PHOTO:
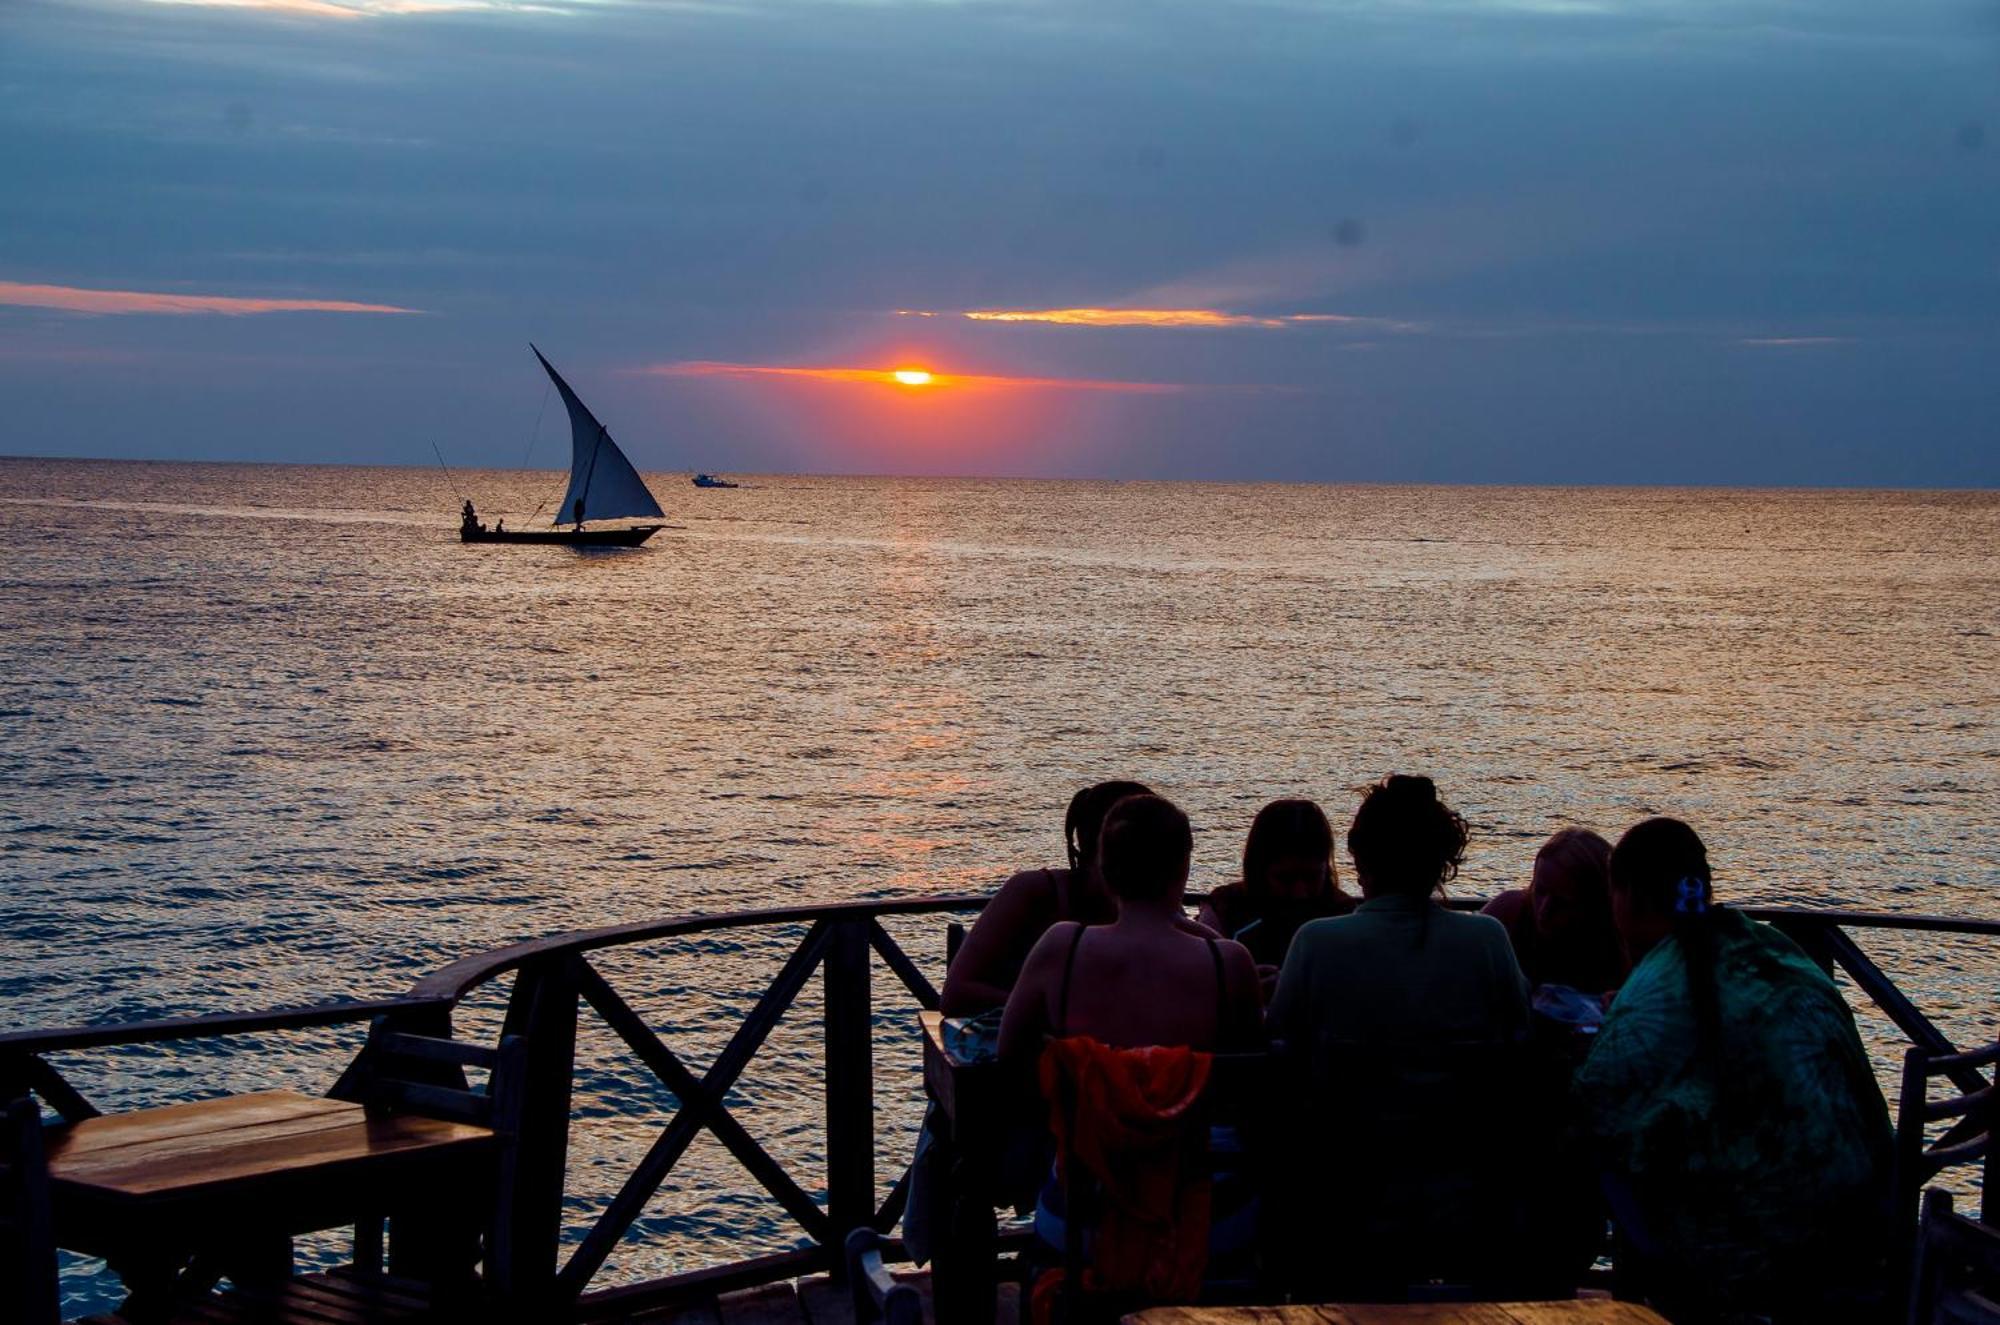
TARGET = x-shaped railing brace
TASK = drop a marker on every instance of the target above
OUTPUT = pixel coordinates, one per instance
(701, 1106)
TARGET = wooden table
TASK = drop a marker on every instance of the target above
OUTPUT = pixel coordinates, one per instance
(1581, 1311)
(236, 1177)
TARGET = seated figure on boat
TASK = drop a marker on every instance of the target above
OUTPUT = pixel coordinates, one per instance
(1288, 879)
(998, 943)
(1744, 1143)
(1405, 1022)
(1121, 1019)
(1560, 924)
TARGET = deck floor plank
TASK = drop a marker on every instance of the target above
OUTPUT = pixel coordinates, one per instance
(823, 1302)
(773, 1304)
(701, 1313)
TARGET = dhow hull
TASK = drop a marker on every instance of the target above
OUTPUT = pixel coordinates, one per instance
(632, 537)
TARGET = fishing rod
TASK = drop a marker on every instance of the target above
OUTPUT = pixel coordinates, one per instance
(448, 477)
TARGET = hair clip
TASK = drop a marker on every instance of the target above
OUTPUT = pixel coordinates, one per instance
(1690, 896)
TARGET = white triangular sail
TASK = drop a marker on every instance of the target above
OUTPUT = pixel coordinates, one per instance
(602, 483)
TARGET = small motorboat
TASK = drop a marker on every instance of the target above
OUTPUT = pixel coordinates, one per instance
(711, 481)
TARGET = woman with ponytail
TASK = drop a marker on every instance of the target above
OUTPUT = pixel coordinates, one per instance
(1743, 1140)
(988, 964)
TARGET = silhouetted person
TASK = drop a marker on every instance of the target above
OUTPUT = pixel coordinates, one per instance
(1405, 1021)
(1744, 1141)
(579, 512)
(1145, 978)
(1116, 1017)
(1288, 879)
(990, 959)
(1560, 924)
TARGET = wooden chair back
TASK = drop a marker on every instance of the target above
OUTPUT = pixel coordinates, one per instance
(1957, 1279)
(401, 1070)
(27, 1232)
(1408, 1157)
(1967, 1140)
(878, 1295)
(425, 1075)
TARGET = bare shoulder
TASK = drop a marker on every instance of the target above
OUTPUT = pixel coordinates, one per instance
(1236, 957)
(1053, 945)
(1507, 907)
(1029, 890)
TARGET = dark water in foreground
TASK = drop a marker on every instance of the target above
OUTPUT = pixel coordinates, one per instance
(272, 735)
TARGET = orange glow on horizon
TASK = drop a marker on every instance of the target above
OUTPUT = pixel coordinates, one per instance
(900, 377)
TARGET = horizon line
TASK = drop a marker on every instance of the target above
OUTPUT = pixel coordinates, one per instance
(1632, 485)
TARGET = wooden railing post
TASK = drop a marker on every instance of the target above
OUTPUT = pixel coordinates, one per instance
(1813, 937)
(527, 1233)
(850, 1085)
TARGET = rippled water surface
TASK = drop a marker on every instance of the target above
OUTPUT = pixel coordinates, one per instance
(272, 735)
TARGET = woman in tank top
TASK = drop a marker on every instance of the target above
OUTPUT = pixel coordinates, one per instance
(1029, 903)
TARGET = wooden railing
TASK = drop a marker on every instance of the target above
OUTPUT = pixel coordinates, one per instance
(555, 982)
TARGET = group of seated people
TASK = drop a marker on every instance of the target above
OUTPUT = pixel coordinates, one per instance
(1465, 1098)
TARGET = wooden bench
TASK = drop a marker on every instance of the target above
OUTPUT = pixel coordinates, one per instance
(150, 1191)
(178, 1197)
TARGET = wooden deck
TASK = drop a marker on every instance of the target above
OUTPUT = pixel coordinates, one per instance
(261, 1175)
(815, 1301)
(341, 1298)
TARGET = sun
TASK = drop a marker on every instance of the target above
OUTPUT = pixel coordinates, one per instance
(912, 376)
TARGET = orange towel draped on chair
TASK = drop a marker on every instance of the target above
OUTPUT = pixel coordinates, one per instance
(1135, 1130)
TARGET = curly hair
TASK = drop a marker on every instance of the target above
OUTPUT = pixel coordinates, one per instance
(1404, 839)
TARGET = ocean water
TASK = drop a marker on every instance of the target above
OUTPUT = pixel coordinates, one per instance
(273, 736)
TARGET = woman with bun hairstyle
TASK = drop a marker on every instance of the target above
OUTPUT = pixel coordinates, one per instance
(1402, 968)
(1743, 1141)
(1404, 1022)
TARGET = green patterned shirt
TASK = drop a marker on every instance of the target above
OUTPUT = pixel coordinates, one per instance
(1769, 1153)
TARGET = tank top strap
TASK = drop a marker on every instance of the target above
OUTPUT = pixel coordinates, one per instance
(1221, 989)
(1069, 970)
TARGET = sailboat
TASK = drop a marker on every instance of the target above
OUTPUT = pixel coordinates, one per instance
(602, 484)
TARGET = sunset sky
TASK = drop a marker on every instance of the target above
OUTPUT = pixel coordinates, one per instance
(1682, 241)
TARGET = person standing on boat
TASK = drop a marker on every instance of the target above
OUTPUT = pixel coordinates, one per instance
(1744, 1142)
(468, 519)
(579, 512)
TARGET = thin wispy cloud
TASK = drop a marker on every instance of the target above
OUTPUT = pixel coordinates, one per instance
(350, 9)
(1793, 342)
(905, 379)
(75, 299)
(1203, 318)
